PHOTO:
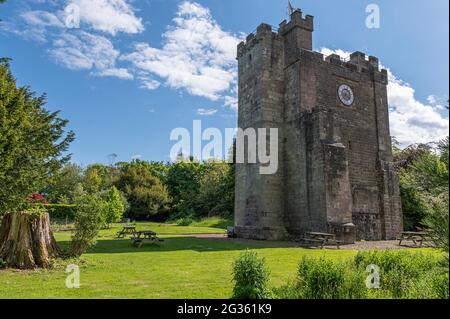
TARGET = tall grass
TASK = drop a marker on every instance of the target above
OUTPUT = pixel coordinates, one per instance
(402, 274)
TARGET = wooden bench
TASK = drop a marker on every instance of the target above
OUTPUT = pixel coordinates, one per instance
(312, 240)
(322, 239)
(142, 237)
(127, 230)
(415, 237)
(137, 241)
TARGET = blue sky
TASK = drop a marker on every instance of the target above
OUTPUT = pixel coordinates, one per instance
(135, 70)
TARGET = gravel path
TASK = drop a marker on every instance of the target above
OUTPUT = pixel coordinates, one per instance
(361, 245)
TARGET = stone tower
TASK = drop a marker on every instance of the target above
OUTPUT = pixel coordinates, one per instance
(335, 171)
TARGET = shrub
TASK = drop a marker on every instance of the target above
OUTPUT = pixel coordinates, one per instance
(185, 221)
(431, 285)
(251, 277)
(327, 279)
(398, 269)
(89, 218)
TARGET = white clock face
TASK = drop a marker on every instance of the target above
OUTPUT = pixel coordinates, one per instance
(346, 94)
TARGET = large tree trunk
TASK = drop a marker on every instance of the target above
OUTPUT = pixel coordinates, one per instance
(26, 241)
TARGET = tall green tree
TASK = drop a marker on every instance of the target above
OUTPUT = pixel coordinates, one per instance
(116, 207)
(183, 183)
(99, 177)
(63, 186)
(32, 141)
(216, 191)
(145, 192)
(428, 174)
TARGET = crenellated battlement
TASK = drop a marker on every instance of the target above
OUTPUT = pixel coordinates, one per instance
(297, 21)
(263, 31)
(357, 62)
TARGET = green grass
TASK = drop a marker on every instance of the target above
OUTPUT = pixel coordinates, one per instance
(215, 222)
(180, 267)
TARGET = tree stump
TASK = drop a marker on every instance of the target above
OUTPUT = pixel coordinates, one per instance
(26, 240)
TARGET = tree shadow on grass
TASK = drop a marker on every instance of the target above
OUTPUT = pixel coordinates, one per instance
(112, 246)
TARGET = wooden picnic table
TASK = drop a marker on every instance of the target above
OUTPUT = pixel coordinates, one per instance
(126, 230)
(415, 237)
(321, 239)
(145, 236)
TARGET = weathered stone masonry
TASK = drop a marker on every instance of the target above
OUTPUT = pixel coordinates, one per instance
(335, 169)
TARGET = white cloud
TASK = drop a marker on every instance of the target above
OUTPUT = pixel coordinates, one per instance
(148, 83)
(110, 16)
(206, 112)
(196, 55)
(42, 19)
(136, 157)
(411, 121)
(85, 51)
(120, 73)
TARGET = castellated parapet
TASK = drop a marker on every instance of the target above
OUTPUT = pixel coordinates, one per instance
(335, 171)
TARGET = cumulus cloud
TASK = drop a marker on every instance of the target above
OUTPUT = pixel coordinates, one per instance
(110, 16)
(76, 48)
(411, 121)
(206, 112)
(196, 55)
(85, 51)
(42, 19)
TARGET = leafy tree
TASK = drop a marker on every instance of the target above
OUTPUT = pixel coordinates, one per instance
(145, 192)
(411, 165)
(429, 175)
(64, 185)
(183, 183)
(116, 207)
(216, 193)
(99, 177)
(89, 218)
(32, 140)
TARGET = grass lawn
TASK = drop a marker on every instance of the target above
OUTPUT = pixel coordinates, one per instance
(180, 267)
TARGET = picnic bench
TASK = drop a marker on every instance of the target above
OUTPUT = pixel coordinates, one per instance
(415, 237)
(140, 237)
(127, 230)
(322, 239)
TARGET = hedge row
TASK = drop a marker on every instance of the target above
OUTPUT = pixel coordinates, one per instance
(61, 211)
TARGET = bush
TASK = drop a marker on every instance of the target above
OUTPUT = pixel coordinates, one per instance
(431, 285)
(61, 212)
(89, 218)
(251, 277)
(185, 221)
(399, 270)
(327, 279)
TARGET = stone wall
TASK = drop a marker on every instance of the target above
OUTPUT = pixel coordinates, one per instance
(335, 161)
